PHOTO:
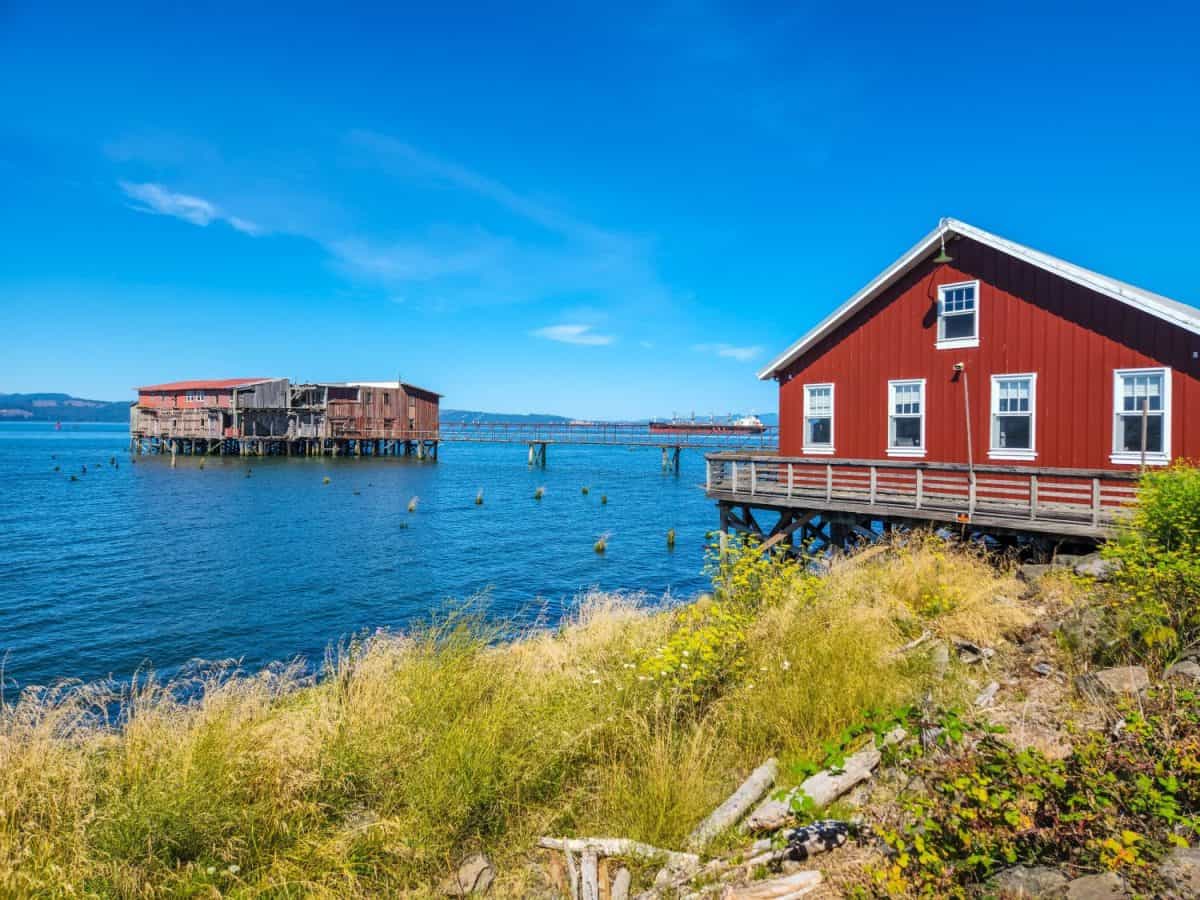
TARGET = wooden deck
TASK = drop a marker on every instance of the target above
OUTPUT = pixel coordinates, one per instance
(1009, 499)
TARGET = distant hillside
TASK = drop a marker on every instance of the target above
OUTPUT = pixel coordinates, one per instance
(471, 415)
(60, 408)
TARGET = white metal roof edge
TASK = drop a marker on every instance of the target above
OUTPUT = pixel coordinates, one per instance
(1164, 308)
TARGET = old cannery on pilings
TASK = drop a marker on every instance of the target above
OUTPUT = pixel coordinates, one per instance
(273, 416)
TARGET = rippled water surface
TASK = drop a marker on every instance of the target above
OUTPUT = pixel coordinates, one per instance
(141, 564)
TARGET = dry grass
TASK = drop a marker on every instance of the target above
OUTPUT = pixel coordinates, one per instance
(411, 752)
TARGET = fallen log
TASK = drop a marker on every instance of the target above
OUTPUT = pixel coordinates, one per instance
(739, 802)
(822, 788)
(589, 875)
(789, 887)
(620, 884)
(622, 847)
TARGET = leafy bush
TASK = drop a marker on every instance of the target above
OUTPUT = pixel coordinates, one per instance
(1155, 594)
(1115, 803)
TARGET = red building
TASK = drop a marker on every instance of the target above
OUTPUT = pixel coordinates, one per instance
(192, 394)
(998, 355)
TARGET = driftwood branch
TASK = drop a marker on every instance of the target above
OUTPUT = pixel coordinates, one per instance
(622, 847)
(572, 874)
(739, 802)
(788, 887)
(822, 788)
(589, 875)
(621, 883)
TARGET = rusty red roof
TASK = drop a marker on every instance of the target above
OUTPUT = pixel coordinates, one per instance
(213, 384)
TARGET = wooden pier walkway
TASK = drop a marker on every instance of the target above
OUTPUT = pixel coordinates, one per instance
(538, 435)
(848, 497)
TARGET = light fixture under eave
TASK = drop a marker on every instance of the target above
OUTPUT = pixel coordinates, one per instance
(943, 257)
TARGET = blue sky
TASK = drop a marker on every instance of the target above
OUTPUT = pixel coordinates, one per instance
(603, 211)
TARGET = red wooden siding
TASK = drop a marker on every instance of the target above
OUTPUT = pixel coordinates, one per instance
(179, 400)
(1029, 321)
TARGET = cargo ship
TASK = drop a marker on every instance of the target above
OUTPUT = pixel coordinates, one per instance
(744, 425)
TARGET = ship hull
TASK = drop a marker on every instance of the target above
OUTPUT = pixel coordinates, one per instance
(704, 428)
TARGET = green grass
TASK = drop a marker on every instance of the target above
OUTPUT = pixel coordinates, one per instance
(415, 750)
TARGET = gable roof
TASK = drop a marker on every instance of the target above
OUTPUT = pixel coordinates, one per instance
(1186, 317)
(201, 384)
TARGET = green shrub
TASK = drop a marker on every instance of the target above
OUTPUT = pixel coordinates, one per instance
(1115, 803)
(1155, 594)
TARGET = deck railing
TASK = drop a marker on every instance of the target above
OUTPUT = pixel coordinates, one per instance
(1083, 497)
(633, 434)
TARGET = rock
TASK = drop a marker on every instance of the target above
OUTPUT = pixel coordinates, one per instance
(1031, 572)
(970, 653)
(939, 657)
(1043, 668)
(1031, 883)
(1095, 566)
(1109, 886)
(987, 696)
(1187, 671)
(1069, 560)
(1180, 869)
(1107, 683)
(819, 837)
(1084, 630)
(474, 876)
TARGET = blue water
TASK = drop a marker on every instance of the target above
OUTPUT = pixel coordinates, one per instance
(142, 565)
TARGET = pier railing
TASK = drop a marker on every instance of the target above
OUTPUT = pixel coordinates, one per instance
(636, 434)
(1082, 501)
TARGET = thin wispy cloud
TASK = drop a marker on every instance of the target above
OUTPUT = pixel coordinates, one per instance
(729, 351)
(531, 251)
(155, 199)
(573, 334)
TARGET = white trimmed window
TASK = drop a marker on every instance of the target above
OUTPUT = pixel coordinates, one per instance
(958, 315)
(906, 418)
(1142, 416)
(1014, 407)
(818, 418)
(195, 396)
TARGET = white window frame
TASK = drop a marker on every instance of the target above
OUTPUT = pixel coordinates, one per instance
(826, 449)
(1134, 457)
(957, 343)
(923, 450)
(195, 396)
(1015, 453)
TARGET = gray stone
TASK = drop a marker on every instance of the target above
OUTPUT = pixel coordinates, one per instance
(1032, 883)
(474, 876)
(1031, 572)
(1187, 671)
(939, 656)
(988, 695)
(1109, 886)
(1180, 869)
(1107, 683)
(1096, 566)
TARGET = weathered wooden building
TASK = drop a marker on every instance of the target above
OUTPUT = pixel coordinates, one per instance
(261, 416)
(977, 380)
